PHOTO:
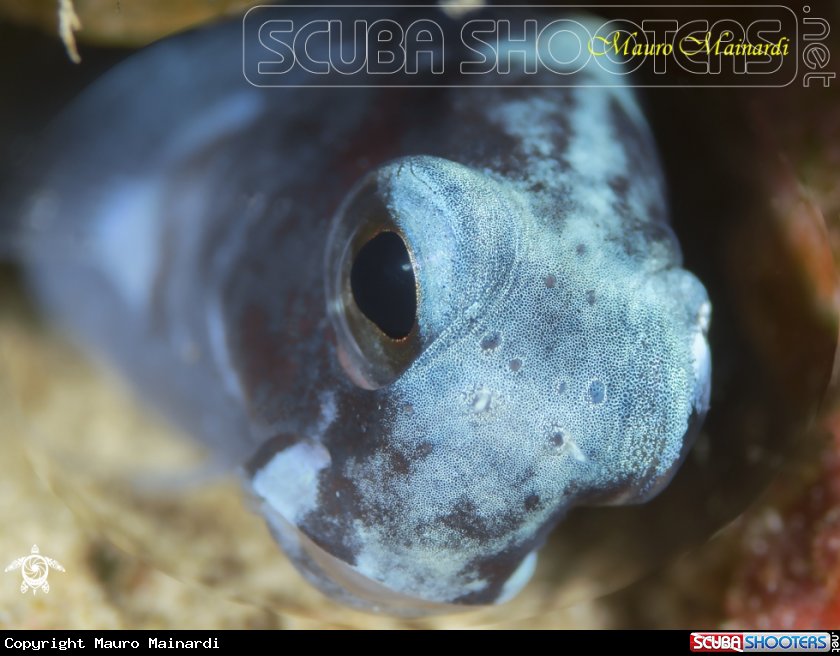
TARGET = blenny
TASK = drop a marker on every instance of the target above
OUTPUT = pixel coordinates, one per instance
(423, 323)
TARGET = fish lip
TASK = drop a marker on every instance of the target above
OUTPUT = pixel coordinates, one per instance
(334, 577)
(326, 572)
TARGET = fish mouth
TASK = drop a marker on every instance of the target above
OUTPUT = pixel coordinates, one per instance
(342, 582)
(339, 580)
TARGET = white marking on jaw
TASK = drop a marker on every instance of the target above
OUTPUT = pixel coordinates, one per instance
(519, 579)
(289, 482)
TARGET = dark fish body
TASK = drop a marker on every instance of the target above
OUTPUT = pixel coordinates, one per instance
(199, 233)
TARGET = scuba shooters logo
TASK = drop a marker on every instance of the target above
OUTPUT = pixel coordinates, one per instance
(696, 45)
(750, 641)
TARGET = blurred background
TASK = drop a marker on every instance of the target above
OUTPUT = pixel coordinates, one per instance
(771, 156)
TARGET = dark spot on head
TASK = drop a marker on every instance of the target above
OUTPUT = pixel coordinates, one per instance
(654, 232)
(399, 464)
(619, 185)
(558, 437)
(491, 341)
(560, 136)
(532, 501)
(580, 249)
(597, 391)
(466, 521)
(515, 364)
(657, 212)
(424, 449)
(550, 281)
(539, 186)
(590, 297)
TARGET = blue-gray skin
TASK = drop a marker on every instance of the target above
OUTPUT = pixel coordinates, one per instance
(177, 221)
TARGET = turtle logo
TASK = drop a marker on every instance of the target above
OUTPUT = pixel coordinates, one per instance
(35, 570)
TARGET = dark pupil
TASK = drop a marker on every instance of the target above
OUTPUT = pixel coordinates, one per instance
(383, 284)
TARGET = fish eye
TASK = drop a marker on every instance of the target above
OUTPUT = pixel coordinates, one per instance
(373, 295)
(383, 284)
(402, 263)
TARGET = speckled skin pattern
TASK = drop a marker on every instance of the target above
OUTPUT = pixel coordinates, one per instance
(178, 221)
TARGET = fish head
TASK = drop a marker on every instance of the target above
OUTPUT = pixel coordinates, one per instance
(507, 359)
